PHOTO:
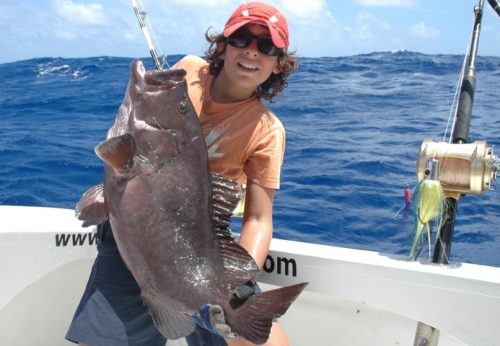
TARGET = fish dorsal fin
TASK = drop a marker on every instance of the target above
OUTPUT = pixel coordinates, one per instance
(92, 208)
(117, 151)
(240, 266)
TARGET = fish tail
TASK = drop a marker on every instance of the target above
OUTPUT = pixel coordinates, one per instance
(253, 320)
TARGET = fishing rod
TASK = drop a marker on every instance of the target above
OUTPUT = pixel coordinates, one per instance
(462, 168)
(488, 162)
(460, 134)
(458, 167)
(159, 60)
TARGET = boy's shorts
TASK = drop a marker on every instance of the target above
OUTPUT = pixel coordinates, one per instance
(111, 311)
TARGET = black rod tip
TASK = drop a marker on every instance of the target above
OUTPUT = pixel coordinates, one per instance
(495, 4)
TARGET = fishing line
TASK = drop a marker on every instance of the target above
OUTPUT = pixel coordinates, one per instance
(452, 118)
(151, 40)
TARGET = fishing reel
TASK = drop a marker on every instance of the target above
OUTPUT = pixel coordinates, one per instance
(463, 168)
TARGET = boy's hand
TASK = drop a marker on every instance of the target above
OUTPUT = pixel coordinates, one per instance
(245, 291)
(211, 317)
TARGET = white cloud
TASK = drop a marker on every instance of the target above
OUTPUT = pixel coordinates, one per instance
(313, 28)
(368, 27)
(395, 3)
(203, 3)
(64, 35)
(80, 13)
(363, 33)
(423, 31)
(130, 35)
(151, 4)
(300, 8)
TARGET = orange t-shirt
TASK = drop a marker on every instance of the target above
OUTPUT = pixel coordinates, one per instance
(245, 140)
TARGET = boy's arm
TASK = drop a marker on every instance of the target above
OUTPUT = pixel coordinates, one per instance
(257, 228)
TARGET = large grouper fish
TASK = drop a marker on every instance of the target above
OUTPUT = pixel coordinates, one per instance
(170, 215)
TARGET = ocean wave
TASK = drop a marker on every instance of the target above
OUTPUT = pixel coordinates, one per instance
(354, 128)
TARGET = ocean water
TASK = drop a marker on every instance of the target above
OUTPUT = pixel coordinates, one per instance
(354, 129)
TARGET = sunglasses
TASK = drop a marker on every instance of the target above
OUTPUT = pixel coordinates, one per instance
(265, 45)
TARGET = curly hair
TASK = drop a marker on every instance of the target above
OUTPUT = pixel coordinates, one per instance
(274, 85)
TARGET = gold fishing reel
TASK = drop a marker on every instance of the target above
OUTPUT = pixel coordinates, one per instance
(463, 168)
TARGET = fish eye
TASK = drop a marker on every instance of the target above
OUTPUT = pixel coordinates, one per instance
(182, 107)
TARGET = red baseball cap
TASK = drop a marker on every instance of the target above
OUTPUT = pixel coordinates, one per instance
(258, 12)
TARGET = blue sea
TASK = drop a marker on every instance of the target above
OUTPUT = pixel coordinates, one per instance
(354, 129)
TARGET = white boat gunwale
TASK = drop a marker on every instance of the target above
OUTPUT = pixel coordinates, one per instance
(462, 301)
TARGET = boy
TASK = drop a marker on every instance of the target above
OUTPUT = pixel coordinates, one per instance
(245, 142)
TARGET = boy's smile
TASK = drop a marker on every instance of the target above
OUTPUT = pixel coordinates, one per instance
(248, 66)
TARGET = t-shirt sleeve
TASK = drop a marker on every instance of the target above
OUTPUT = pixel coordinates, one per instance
(190, 63)
(264, 164)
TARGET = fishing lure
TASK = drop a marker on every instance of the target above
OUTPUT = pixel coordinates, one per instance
(429, 202)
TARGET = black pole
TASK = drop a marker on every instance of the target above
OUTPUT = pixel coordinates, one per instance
(460, 136)
(495, 4)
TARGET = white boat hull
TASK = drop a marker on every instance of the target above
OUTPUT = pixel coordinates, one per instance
(354, 297)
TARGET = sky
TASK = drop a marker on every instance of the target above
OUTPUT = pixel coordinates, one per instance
(89, 28)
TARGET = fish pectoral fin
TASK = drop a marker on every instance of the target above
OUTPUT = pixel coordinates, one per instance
(92, 208)
(171, 323)
(117, 152)
(253, 319)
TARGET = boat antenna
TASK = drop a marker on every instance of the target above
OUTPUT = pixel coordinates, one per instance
(159, 60)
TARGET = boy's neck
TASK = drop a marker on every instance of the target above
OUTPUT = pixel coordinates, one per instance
(223, 91)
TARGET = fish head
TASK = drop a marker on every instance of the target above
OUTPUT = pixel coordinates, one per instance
(154, 90)
(161, 117)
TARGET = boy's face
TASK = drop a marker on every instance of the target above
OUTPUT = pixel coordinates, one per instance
(248, 67)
